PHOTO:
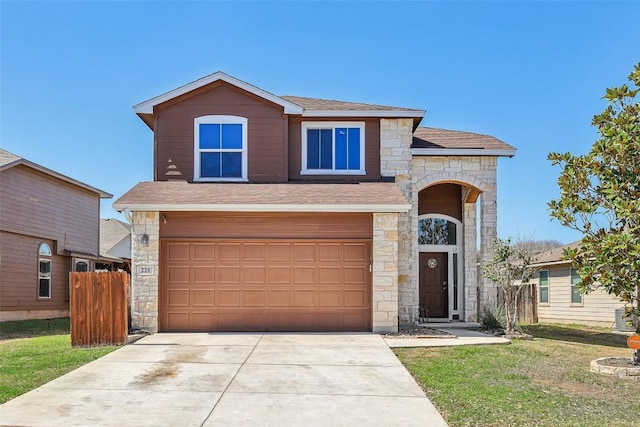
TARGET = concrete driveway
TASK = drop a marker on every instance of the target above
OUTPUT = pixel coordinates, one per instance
(201, 379)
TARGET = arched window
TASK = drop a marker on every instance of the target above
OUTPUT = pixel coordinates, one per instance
(44, 271)
(436, 231)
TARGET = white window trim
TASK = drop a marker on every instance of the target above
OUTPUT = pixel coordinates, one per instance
(548, 288)
(571, 285)
(332, 125)
(217, 119)
(46, 258)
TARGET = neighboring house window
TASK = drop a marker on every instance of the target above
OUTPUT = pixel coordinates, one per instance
(543, 286)
(81, 265)
(44, 271)
(220, 148)
(333, 148)
(576, 295)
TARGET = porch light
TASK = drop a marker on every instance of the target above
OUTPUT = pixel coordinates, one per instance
(144, 240)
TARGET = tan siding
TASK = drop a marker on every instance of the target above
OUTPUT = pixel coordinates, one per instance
(262, 225)
(372, 149)
(36, 204)
(174, 144)
(598, 307)
(19, 275)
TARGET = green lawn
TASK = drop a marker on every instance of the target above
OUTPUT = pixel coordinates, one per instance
(33, 353)
(544, 382)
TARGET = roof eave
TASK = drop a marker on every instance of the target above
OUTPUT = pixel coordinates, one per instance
(146, 107)
(202, 207)
(463, 152)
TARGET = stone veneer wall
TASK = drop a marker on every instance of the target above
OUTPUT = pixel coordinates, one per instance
(385, 272)
(144, 284)
(396, 136)
(479, 172)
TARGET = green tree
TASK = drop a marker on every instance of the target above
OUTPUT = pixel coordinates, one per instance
(600, 197)
(510, 268)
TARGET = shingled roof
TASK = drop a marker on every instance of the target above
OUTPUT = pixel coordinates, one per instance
(554, 256)
(184, 196)
(434, 138)
(329, 104)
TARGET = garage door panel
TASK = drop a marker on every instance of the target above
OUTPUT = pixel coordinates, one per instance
(356, 252)
(279, 298)
(254, 252)
(330, 298)
(355, 275)
(254, 275)
(229, 298)
(279, 274)
(178, 297)
(355, 298)
(203, 298)
(304, 252)
(329, 252)
(304, 275)
(265, 285)
(178, 274)
(179, 251)
(204, 252)
(330, 275)
(254, 298)
(204, 275)
(304, 298)
(229, 274)
(229, 252)
(279, 252)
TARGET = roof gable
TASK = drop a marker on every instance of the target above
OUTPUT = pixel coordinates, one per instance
(9, 160)
(146, 107)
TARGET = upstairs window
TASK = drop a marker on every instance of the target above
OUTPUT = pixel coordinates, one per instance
(576, 295)
(543, 286)
(44, 271)
(220, 148)
(333, 148)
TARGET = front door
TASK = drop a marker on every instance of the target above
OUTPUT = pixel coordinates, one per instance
(434, 288)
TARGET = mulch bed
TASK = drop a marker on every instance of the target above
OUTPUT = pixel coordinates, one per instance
(420, 332)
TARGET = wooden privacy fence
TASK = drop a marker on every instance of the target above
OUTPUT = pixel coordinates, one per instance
(99, 308)
(527, 303)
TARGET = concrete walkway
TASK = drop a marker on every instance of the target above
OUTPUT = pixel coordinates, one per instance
(233, 380)
(457, 337)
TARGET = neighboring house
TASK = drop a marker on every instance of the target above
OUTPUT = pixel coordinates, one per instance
(560, 300)
(299, 214)
(115, 246)
(48, 227)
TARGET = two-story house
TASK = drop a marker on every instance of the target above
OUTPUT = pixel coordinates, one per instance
(48, 227)
(283, 213)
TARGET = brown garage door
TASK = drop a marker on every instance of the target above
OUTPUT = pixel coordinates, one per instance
(265, 285)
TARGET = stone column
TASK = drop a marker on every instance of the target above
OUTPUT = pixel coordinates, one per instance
(488, 231)
(385, 272)
(470, 260)
(144, 271)
(396, 136)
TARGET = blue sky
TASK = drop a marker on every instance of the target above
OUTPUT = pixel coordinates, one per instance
(529, 73)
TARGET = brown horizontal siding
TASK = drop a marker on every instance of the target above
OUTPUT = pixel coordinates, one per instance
(174, 143)
(36, 204)
(19, 275)
(372, 149)
(443, 199)
(264, 225)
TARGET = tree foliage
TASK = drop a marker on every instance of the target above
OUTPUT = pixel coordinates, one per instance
(600, 197)
(510, 268)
